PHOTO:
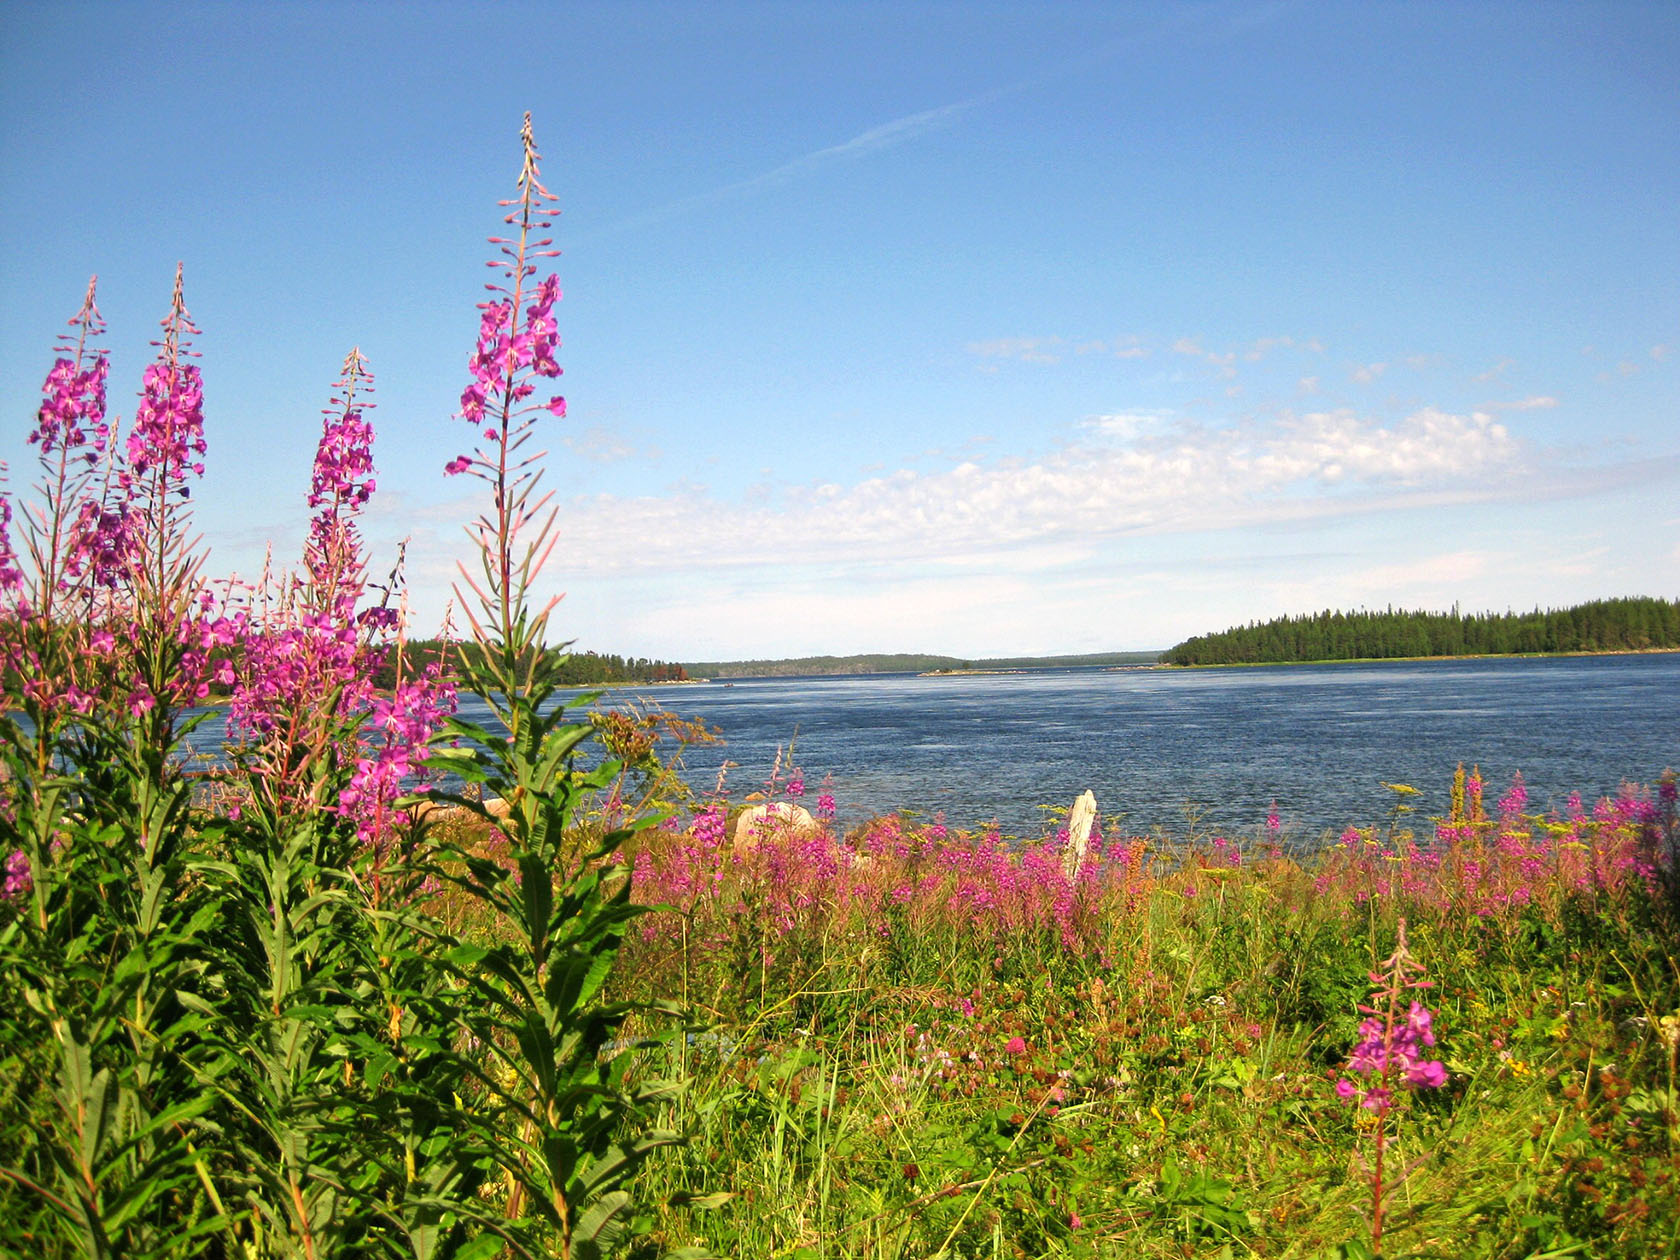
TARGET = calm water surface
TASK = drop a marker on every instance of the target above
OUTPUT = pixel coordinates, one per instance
(1159, 747)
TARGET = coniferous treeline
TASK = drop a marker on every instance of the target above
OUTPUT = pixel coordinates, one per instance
(581, 669)
(1605, 625)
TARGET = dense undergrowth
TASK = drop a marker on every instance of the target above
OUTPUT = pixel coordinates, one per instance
(920, 1042)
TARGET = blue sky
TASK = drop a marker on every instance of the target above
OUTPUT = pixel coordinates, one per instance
(972, 328)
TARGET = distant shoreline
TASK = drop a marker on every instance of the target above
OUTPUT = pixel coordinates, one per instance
(1464, 656)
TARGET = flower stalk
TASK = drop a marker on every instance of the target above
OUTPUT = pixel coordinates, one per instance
(1390, 1056)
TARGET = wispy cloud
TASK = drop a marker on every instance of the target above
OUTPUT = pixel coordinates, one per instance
(1264, 346)
(876, 139)
(1124, 425)
(1127, 474)
(1537, 403)
(1026, 349)
(602, 446)
(1223, 362)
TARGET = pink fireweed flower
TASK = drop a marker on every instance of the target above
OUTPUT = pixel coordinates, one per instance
(74, 406)
(11, 575)
(1390, 1049)
(407, 719)
(72, 435)
(341, 484)
(72, 411)
(517, 335)
(711, 826)
(343, 470)
(1512, 803)
(796, 785)
(1015, 1045)
(168, 431)
(825, 804)
(1273, 824)
(19, 878)
(101, 538)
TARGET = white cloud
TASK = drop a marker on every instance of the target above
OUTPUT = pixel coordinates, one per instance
(1050, 349)
(1493, 373)
(1536, 403)
(1365, 373)
(602, 446)
(1223, 363)
(1124, 425)
(1264, 346)
(1581, 564)
(1450, 569)
(1661, 352)
(1026, 349)
(1131, 473)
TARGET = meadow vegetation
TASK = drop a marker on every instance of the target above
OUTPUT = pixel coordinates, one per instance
(390, 983)
(916, 1041)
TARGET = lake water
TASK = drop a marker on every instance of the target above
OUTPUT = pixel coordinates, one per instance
(1160, 746)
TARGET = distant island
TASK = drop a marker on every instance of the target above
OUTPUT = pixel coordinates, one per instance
(908, 663)
(592, 668)
(1605, 625)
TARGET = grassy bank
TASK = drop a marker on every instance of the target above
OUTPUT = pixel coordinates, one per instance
(912, 1042)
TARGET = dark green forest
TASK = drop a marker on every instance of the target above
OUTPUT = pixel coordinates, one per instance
(582, 669)
(1605, 625)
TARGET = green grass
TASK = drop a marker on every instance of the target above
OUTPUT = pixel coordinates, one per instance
(853, 1094)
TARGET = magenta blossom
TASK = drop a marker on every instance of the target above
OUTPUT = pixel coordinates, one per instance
(19, 879)
(11, 575)
(72, 412)
(1390, 1051)
(518, 337)
(168, 434)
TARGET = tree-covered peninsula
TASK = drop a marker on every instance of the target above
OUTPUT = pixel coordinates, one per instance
(1605, 625)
